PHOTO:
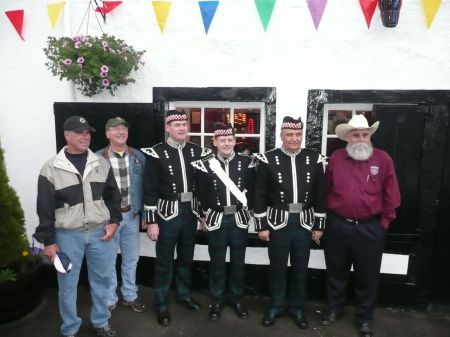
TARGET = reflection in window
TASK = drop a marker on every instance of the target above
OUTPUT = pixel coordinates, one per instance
(247, 119)
(335, 114)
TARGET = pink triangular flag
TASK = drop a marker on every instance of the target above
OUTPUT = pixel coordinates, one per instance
(316, 8)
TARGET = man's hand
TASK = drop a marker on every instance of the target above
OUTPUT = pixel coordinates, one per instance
(203, 224)
(50, 251)
(143, 224)
(264, 235)
(316, 236)
(153, 231)
(110, 229)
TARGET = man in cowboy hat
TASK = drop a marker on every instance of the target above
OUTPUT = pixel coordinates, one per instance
(363, 194)
(171, 219)
(226, 203)
(289, 208)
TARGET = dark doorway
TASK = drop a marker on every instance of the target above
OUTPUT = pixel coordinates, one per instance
(146, 121)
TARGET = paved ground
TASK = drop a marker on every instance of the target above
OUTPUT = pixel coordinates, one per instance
(390, 322)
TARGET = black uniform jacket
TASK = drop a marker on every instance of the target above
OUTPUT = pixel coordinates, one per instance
(284, 178)
(214, 195)
(169, 179)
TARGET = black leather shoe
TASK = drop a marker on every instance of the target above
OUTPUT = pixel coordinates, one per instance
(301, 321)
(268, 319)
(190, 304)
(214, 312)
(240, 310)
(163, 317)
(329, 318)
(366, 329)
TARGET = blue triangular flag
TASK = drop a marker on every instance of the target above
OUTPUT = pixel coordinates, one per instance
(208, 9)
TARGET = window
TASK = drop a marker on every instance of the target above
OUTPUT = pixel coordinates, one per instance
(246, 117)
(335, 114)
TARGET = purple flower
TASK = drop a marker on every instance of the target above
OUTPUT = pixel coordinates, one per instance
(77, 44)
(105, 44)
(105, 82)
(104, 68)
(67, 62)
(76, 38)
(80, 60)
(84, 39)
(35, 250)
(104, 74)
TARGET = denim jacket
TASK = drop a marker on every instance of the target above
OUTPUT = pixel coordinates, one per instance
(136, 167)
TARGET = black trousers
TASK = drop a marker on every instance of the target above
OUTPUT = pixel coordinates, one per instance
(228, 235)
(180, 233)
(294, 241)
(360, 245)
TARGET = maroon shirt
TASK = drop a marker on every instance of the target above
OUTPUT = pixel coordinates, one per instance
(360, 190)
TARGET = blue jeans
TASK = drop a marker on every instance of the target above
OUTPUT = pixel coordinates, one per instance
(99, 258)
(127, 239)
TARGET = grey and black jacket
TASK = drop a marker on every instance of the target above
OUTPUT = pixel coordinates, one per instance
(68, 200)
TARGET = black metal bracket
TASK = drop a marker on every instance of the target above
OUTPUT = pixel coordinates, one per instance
(102, 14)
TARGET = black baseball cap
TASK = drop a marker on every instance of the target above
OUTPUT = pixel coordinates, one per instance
(77, 124)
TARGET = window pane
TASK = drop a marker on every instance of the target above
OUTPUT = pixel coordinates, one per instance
(333, 144)
(336, 117)
(214, 115)
(194, 118)
(247, 120)
(195, 140)
(208, 142)
(367, 114)
(247, 145)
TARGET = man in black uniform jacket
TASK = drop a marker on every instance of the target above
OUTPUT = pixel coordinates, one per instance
(225, 204)
(171, 212)
(289, 205)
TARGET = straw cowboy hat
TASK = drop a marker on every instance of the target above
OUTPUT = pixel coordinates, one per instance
(357, 122)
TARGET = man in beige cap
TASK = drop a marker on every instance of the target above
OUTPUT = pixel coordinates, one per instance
(128, 167)
(363, 194)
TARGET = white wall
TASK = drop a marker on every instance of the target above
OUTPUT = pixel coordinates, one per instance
(291, 56)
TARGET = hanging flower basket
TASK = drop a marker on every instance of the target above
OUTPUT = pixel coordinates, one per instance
(94, 63)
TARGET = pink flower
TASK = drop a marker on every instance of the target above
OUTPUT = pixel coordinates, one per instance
(104, 74)
(67, 62)
(80, 60)
(84, 39)
(105, 82)
(105, 44)
(76, 38)
(104, 68)
(77, 44)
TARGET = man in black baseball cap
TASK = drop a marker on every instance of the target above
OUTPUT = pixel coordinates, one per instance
(77, 124)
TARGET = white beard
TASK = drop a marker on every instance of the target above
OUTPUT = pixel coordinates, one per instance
(359, 151)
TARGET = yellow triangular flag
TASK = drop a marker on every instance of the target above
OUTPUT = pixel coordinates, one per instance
(162, 9)
(54, 11)
(431, 7)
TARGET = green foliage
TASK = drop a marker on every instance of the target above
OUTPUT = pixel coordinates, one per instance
(93, 63)
(14, 250)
